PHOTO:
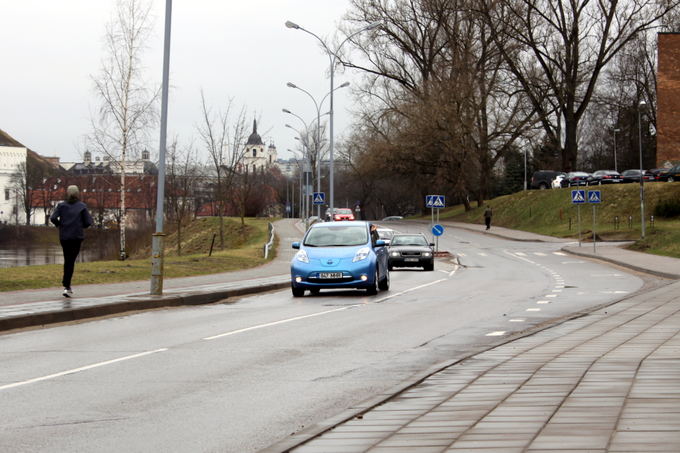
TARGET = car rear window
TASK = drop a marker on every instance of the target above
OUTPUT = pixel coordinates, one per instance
(334, 236)
(408, 240)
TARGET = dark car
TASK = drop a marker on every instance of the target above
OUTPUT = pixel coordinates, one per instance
(576, 178)
(605, 177)
(633, 175)
(670, 174)
(542, 179)
(410, 250)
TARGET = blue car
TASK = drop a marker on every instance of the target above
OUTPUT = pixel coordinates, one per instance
(339, 255)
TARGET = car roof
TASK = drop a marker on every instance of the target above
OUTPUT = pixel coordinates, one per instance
(343, 223)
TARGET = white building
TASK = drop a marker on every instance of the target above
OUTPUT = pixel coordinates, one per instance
(12, 155)
(258, 156)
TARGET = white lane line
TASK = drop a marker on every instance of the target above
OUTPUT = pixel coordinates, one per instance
(482, 254)
(78, 370)
(442, 270)
(517, 320)
(533, 309)
(550, 295)
(559, 253)
(557, 290)
(543, 302)
(540, 254)
(520, 254)
(498, 333)
(462, 254)
(297, 318)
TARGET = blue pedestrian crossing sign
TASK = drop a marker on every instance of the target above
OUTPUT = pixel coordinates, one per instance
(435, 201)
(594, 196)
(319, 198)
(437, 230)
(578, 196)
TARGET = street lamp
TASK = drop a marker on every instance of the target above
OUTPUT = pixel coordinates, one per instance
(317, 147)
(616, 168)
(306, 170)
(332, 59)
(642, 172)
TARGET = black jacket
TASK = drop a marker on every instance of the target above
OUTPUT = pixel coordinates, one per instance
(72, 219)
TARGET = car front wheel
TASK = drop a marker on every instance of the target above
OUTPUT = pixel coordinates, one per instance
(298, 292)
(384, 284)
(373, 289)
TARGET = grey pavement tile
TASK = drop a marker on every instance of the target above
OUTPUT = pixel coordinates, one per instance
(509, 427)
(634, 441)
(572, 440)
(593, 402)
(589, 450)
(409, 449)
(451, 430)
(472, 445)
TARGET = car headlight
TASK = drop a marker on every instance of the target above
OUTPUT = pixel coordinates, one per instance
(427, 254)
(361, 254)
(394, 253)
(302, 256)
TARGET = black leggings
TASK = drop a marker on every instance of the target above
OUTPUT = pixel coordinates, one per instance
(71, 248)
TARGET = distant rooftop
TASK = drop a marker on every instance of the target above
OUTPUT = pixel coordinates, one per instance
(8, 140)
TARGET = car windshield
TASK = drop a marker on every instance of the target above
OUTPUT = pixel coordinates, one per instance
(336, 236)
(408, 240)
(343, 211)
(385, 233)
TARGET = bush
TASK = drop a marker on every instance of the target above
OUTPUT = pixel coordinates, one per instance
(667, 208)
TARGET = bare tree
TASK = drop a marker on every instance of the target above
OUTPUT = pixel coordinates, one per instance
(558, 50)
(182, 178)
(127, 106)
(224, 139)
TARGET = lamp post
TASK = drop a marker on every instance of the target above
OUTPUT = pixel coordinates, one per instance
(157, 239)
(332, 59)
(306, 170)
(616, 167)
(642, 171)
(317, 147)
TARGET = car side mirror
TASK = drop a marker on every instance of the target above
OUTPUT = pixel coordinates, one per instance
(295, 245)
(431, 244)
(379, 243)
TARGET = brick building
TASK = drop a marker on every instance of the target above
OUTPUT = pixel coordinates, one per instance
(668, 100)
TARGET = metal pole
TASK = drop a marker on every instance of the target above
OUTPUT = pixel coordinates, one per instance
(525, 168)
(157, 239)
(578, 213)
(331, 189)
(642, 176)
(594, 234)
(616, 168)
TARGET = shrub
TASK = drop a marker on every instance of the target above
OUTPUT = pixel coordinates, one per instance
(667, 208)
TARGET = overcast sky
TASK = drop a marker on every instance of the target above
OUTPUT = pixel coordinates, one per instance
(240, 49)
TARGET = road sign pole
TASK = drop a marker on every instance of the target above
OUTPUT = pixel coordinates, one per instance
(436, 247)
(578, 214)
(432, 222)
(594, 235)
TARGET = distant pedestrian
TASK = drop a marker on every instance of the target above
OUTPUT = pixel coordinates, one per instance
(72, 217)
(487, 217)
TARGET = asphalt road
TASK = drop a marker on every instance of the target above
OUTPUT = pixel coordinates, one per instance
(238, 377)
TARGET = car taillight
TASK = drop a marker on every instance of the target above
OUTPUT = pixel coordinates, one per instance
(336, 217)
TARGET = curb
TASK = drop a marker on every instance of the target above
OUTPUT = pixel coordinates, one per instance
(130, 305)
(623, 264)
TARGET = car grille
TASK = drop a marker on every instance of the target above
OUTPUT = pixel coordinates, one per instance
(410, 253)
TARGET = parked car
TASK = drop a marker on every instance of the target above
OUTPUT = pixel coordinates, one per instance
(575, 178)
(542, 179)
(385, 234)
(670, 174)
(633, 175)
(339, 255)
(605, 177)
(411, 250)
(392, 218)
(557, 182)
(340, 214)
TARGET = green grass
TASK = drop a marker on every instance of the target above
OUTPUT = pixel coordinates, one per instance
(243, 250)
(550, 212)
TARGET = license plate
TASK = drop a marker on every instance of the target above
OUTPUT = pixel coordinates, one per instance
(330, 274)
(410, 260)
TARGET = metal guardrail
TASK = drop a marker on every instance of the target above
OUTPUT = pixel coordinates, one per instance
(269, 244)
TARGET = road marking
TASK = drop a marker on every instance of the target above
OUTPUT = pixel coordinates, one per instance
(297, 318)
(498, 333)
(550, 295)
(482, 254)
(462, 254)
(540, 254)
(520, 254)
(543, 302)
(614, 292)
(442, 270)
(533, 309)
(557, 290)
(559, 253)
(516, 320)
(78, 370)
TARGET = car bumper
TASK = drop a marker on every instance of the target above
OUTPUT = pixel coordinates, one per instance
(304, 275)
(410, 262)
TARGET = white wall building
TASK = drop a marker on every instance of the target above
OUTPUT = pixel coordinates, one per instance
(257, 156)
(12, 155)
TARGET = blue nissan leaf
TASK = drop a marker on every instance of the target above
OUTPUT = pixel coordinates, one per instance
(339, 255)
